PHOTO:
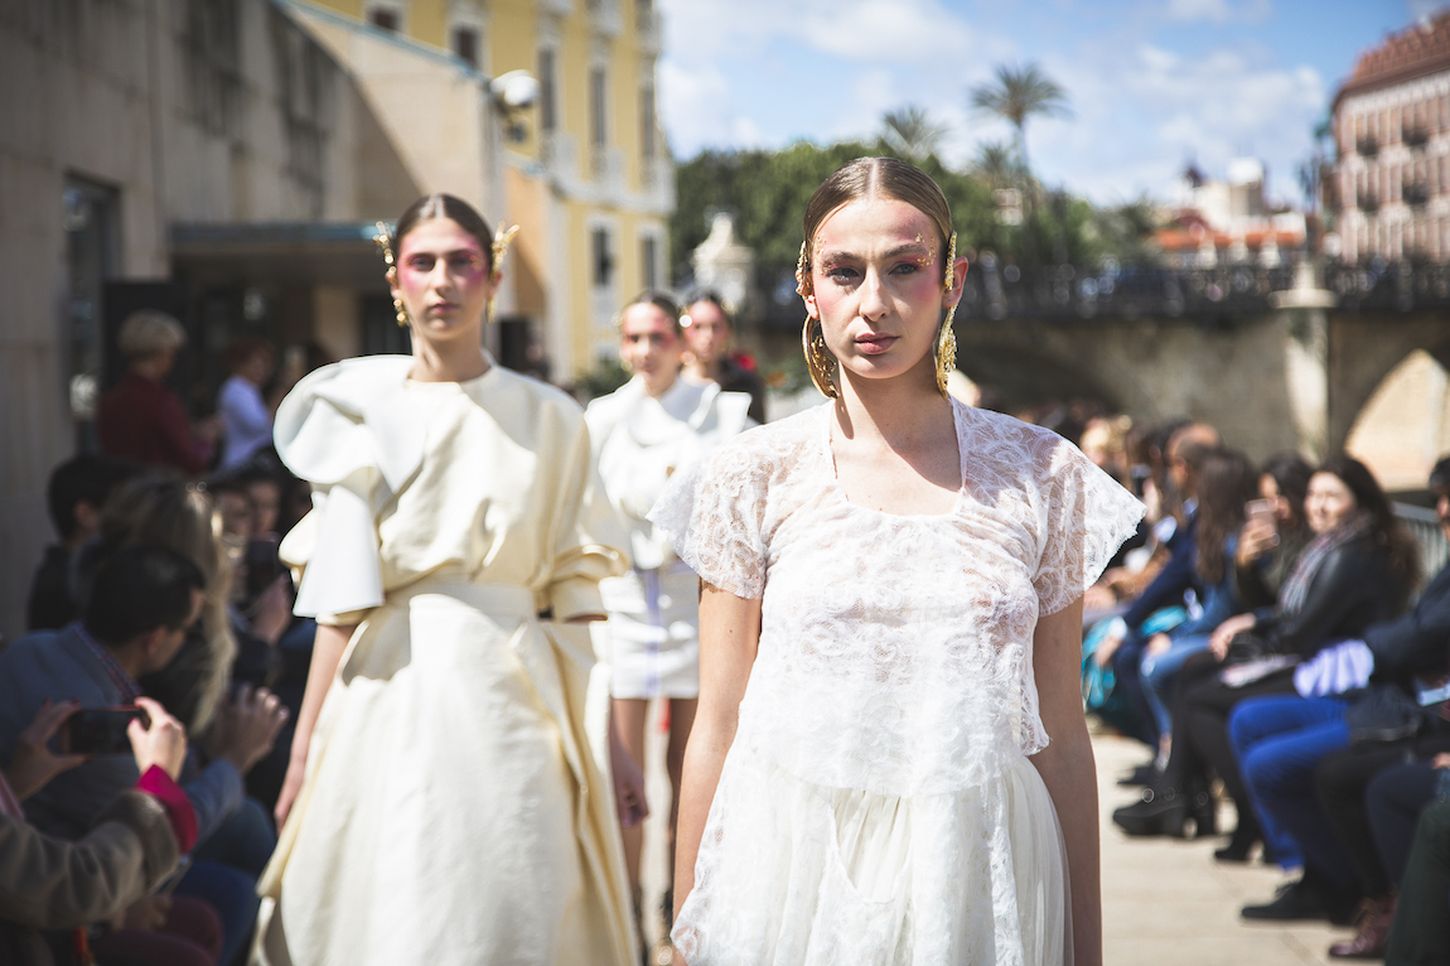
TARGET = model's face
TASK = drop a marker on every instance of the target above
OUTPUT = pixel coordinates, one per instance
(876, 277)
(650, 346)
(1329, 502)
(443, 280)
(708, 334)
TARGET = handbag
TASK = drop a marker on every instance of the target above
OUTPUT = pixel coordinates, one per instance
(1384, 713)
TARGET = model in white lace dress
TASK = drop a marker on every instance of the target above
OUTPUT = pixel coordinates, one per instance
(889, 644)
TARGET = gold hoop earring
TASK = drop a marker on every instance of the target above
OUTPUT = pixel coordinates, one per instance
(946, 343)
(819, 361)
(502, 238)
(384, 241)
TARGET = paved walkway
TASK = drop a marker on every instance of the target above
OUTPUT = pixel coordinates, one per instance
(1166, 902)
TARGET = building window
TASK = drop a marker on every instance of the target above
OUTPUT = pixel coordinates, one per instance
(598, 96)
(385, 16)
(649, 256)
(548, 106)
(465, 45)
(601, 257)
(647, 124)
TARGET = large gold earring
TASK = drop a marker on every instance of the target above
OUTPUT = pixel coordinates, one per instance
(501, 241)
(946, 343)
(385, 245)
(819, 361)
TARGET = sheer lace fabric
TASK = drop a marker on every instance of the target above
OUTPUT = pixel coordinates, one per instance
(894, 669)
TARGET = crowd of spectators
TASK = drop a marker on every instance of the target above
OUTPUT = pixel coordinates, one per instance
(138, 837)
(1271, 641)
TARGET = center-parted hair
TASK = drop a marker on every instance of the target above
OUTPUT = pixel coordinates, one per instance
(879, 178)
(659, 300)
(440, 205)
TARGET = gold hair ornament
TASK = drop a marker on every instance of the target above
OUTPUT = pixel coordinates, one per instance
(946, 343)
(501, 241)
(384, 240)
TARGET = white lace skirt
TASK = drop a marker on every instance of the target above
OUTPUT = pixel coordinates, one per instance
(654, 635)
(795, 873)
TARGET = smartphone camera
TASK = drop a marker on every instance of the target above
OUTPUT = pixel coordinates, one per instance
(101, 731)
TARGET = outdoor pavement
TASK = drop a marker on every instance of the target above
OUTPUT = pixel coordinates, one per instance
(1166, 902)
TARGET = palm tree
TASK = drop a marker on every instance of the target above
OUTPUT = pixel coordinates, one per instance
(996, 164)
(911, 132)
(1017, 94)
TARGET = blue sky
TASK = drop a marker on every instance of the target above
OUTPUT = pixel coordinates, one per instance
(1152, 83)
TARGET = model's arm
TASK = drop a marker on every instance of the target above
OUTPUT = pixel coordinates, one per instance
(1067, 769)
(327, 650)
(729, 634)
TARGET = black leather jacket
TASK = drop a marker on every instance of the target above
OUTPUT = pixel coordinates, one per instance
(1353, 588)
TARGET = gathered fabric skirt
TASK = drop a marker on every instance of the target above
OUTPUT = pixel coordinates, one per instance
(790, 872)
(451, 811)
(654, 632)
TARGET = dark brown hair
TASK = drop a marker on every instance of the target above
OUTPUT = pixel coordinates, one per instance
(1226, 481)
(440, 205)
(1385, 528)
(659, 300)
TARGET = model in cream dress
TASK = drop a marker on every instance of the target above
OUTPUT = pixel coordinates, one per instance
(455, 807)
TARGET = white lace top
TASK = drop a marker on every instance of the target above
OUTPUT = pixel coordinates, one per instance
(895, 652)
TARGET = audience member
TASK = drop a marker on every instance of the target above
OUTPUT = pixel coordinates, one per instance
(139, 418)
(75, 494)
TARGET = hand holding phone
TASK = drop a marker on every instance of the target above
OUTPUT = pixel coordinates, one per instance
(101, 731)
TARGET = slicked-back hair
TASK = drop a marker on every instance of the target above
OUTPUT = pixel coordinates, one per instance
(440, 205)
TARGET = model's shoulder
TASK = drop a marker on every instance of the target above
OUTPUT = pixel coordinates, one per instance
(995, 436)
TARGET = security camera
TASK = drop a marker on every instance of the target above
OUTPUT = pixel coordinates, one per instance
(515, 89)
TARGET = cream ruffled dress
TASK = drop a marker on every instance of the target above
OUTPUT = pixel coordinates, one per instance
(456, 808)
(877, 805)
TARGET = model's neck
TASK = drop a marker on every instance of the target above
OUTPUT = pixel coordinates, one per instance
(704, 371)
(898, 412)
(448, 363)
(657, 390)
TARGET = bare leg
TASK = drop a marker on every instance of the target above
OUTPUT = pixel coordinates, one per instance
(629, 724)
(682, 718)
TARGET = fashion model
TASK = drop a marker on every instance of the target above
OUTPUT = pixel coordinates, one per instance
(444, 803)
(889, 762)
(652, 427)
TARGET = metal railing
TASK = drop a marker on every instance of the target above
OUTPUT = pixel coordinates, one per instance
(1424, 525)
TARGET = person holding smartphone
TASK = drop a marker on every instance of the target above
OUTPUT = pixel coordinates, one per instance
(47, 883)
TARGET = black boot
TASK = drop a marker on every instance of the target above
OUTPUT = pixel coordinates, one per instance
(1164, 810)
(1239, 845)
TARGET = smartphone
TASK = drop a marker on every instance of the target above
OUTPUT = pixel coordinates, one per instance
(1261, 511)
(100, 731)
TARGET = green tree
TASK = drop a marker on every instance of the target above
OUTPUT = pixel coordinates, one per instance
(1016, 95)
(912, 133)
(996, 164)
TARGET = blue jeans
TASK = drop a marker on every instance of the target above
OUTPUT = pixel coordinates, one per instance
(233, 894)
(1279, 740)
(1159, 670)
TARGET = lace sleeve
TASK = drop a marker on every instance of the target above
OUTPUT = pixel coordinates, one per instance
(1085, 515)
(712, 515)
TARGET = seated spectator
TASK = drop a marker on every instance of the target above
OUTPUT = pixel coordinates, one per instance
(1357, 570)
(1175, 586)
(49, 884)
(1420, 935)
(139, 418)
(1307, 779)
(1270, 543)
(74, 496)
(1226, 482)
(141, 604)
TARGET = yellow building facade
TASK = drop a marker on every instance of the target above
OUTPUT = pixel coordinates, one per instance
(587, 174)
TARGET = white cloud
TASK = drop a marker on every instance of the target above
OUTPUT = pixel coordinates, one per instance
(1219, 11)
